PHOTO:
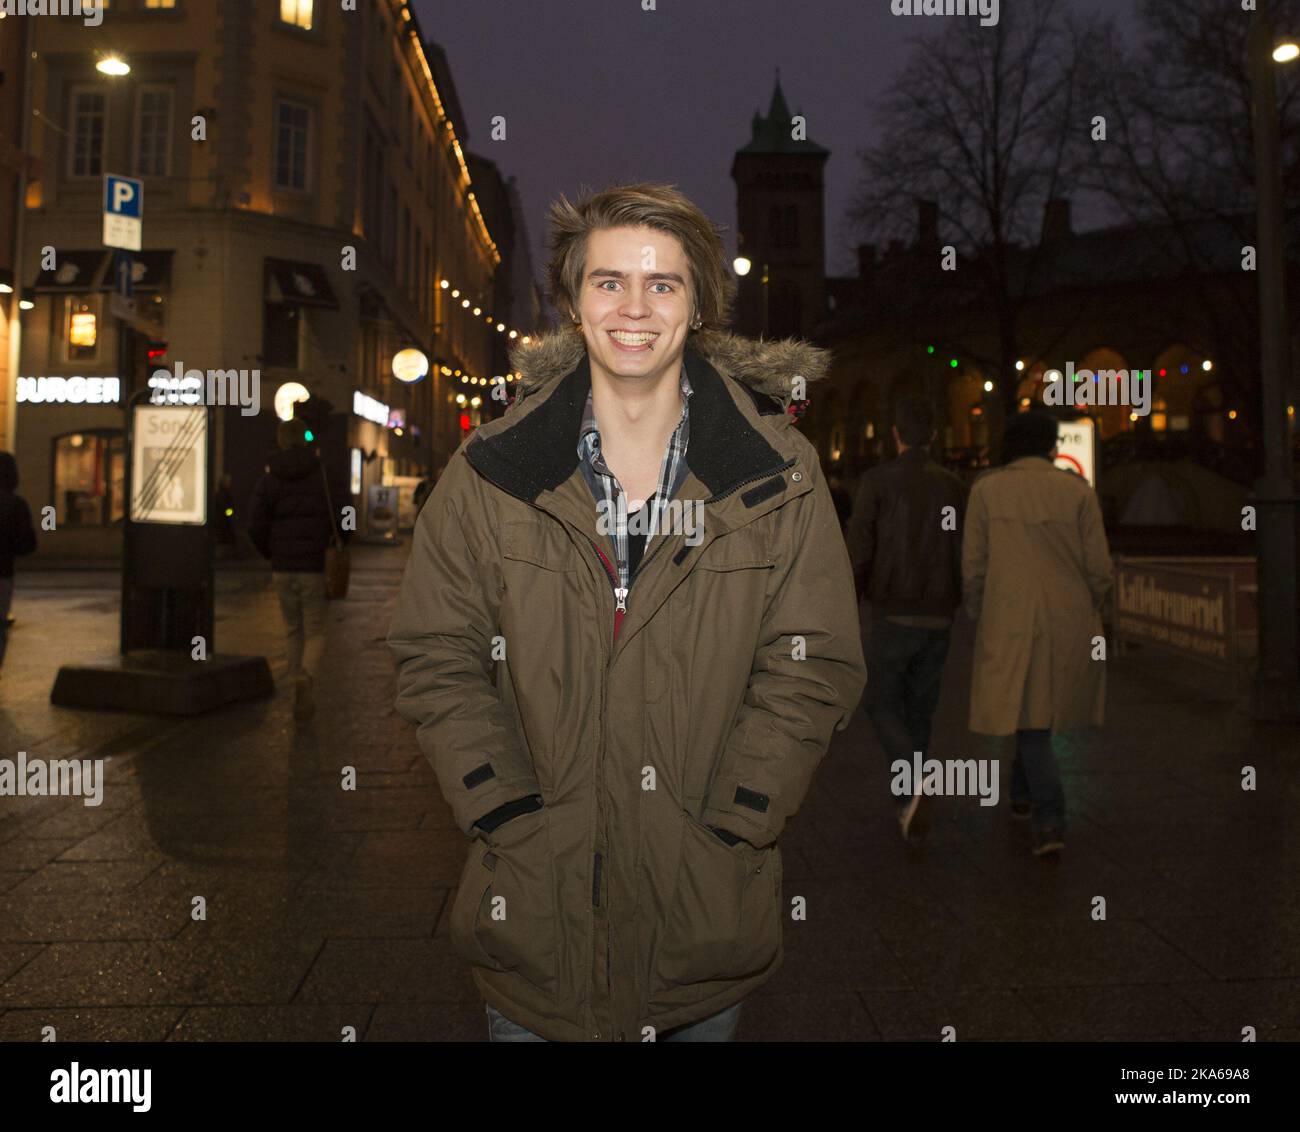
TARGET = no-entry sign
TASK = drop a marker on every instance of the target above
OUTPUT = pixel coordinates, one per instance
(1076, 448)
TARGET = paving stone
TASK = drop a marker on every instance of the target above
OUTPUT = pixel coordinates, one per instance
(90, 1024)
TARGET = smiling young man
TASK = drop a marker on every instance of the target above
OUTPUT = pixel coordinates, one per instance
(626, 632)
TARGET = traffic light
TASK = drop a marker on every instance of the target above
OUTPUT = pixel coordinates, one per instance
(155, 352)
(315, 414)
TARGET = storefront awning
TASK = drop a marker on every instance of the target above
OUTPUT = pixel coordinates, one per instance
(80, 270)
(304, 284)
(152, 270)
(93, 270)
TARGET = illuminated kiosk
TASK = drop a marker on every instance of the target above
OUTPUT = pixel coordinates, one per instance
(167, 664)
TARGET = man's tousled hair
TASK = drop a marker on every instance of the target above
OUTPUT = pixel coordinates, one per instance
(660, 207)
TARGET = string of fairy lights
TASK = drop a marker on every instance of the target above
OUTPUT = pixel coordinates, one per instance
(476, 311)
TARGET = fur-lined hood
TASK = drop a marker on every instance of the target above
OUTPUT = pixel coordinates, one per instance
(766, 366)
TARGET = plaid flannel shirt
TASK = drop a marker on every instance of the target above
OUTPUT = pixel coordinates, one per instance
(606, 489)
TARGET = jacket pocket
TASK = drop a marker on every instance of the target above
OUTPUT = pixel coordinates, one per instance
(723, 923)
(504, 918)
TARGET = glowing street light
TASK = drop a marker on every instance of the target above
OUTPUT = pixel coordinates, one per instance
(113, 65)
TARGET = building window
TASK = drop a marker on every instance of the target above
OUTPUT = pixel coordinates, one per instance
(297, 13)
(81, 328)
(153, 132)
(293, 132)
(89, 479)
(281, 335)
(89, 110)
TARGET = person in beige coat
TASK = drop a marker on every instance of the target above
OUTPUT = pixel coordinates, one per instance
(1036, 569)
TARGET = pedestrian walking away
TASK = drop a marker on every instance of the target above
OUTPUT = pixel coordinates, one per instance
(292, 523)
(905, 545)
(627, 633)
(1036, 570)
(17, 538)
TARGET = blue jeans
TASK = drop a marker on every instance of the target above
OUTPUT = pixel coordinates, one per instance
(1036, 779)
(904, 674)
(718, 1028)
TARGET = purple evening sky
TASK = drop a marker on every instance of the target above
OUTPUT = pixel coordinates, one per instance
(595, 91)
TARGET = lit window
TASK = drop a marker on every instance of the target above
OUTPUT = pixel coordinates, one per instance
(153, 125)
(293, 130)
(89, 109)
(89, 470)
(81, 328)
(297, 13)
(152, 4)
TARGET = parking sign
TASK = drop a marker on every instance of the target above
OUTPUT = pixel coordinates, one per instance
(123, 212)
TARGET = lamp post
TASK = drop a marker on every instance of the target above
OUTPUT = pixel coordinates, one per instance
(742, 266)
(9, 441)
(1276, 693)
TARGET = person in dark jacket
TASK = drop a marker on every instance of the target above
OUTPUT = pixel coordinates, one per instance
(17, 537)
(292, 524)
(905, 544)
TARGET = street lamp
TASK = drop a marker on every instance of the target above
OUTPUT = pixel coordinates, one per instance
(1276, 693)
(113, 65)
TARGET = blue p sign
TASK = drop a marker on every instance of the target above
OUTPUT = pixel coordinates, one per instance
(123, 212)
(123, 196)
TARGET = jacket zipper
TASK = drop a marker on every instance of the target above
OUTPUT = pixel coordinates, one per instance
(620, 592)
(752, 479)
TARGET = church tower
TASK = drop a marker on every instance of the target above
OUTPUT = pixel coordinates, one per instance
(780, 225)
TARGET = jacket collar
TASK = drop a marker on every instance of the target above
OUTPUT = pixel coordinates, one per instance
(533, 448)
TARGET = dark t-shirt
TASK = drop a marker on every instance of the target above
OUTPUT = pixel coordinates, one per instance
(635, 545)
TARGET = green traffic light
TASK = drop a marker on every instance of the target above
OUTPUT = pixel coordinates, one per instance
(929, 349)
(953, 363)
(310, 436)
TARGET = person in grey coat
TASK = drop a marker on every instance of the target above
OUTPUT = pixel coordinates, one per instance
(1036, 570)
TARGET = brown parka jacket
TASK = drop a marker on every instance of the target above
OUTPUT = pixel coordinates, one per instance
(707, 704)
